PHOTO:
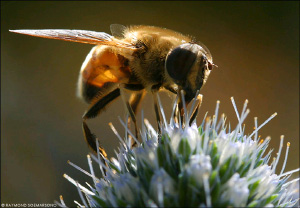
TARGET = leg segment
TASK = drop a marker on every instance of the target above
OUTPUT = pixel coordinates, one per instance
(90, 138)
(99, 105)
(135, 100)
(156, 109)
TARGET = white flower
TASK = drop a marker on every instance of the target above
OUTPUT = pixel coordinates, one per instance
(268, 181)
(176, 133)
(227, 147)
(191, 166)
(198, 166)
(235, 191)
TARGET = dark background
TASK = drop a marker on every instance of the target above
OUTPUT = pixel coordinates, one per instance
(255, 45)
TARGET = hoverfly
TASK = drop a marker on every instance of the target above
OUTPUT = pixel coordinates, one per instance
(137, 58)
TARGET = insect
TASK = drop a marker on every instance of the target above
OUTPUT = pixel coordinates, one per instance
(137, 58)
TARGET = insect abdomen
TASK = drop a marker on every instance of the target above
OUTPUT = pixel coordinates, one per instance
(101, 71)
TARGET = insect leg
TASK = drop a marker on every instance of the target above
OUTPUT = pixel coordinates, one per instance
(90, 138)
(171, 89)
(135, 100)
(179, 108)
(94, 110)
(133, 104)
(137, 97)
(99, 105)
(131, 114)
(156, 109)
(196, 109)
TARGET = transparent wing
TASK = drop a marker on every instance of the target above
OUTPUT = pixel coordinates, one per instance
(80, 36)
(117, 30)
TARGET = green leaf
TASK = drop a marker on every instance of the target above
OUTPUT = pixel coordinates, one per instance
(113, 166)
(270, 199)
(243, 170)
(165, 138)
(101, 202)
(215, 193)
(228, 168)
(258, 163)
(121, 203)
(184, 148)
(253, 204)
(214, 155)
(213, 178)
(214, 150)
(224, 167)
(200, 130)
(182, 188)
(145, 174)
(253, 187)
(160, 155)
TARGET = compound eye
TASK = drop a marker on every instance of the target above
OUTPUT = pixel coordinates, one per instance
(180, 61)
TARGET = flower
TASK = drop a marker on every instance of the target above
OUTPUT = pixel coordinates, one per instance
(183, 164)
(198, 166)
(235, 191)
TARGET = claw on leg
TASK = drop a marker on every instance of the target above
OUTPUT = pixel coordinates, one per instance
(91, 138)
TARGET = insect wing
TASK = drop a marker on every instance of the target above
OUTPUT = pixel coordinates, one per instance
(117, 30)
(80, 36)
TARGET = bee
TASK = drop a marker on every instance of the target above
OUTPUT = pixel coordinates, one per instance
(137, 58)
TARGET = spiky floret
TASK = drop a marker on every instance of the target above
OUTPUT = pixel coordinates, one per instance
(190, 166)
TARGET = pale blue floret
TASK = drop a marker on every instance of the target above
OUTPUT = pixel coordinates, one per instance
(189, 165)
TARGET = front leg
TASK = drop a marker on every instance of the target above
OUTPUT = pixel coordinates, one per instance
(97, 106)
(94, 110)
(171, 89)
(91, 139)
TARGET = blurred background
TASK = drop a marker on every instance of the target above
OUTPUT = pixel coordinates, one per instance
(255, 45)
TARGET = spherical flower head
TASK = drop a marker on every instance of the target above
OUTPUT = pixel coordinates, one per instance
(183, 164)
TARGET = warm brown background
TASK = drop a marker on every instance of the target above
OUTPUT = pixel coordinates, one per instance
(255, 45)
